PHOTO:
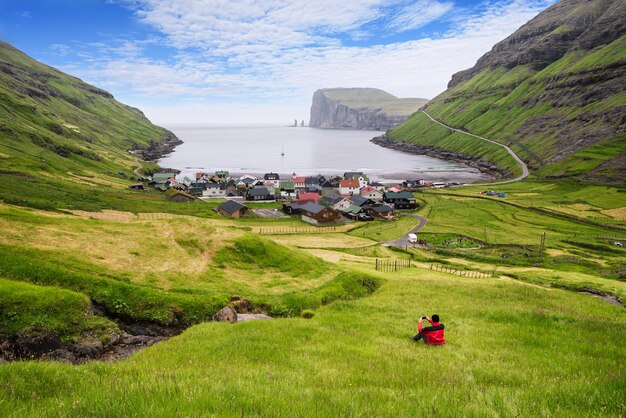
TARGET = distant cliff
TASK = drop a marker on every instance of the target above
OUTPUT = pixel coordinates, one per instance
(360, 108)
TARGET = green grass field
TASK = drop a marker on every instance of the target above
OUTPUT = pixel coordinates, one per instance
(513, 350)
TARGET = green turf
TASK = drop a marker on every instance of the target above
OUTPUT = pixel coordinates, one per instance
(560, 355)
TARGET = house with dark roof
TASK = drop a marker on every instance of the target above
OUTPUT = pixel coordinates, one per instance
(336, 202)
(232, 209)
(401, 200)
(215, 190)
(381, 212)
(197, 188)
(316, 214)
(259, 193)
(359, 201)
(293, 208)
(179, 196)
(271, 179)
(136, 186)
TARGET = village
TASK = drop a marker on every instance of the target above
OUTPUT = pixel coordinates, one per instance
(318, 200)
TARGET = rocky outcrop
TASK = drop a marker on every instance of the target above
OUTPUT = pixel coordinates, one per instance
(226, 314)
(478, 163)
(367, 109)
(160, 149)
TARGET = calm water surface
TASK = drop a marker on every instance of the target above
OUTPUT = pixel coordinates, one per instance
(307, 151)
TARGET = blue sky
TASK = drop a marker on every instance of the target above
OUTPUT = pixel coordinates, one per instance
(223, 61)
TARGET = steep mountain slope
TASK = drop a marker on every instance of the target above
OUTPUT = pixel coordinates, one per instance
(553, 91)
(54, 123)
(62, 139)
(360, 108)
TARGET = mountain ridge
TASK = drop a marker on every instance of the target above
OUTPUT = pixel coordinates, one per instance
(553, 91)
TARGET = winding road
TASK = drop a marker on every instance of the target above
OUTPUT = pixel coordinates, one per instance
(404, 241)
(509, 150)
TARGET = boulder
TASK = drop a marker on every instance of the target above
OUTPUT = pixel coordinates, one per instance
(226, 314)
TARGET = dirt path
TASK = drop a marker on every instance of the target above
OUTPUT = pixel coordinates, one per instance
(139, 167)
(509, 150)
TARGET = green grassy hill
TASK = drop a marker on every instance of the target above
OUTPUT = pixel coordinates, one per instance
(370, 98)
(65, 143)
(554, 91)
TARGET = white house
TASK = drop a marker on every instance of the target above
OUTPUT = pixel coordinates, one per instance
(349, 187)
(216, 190)
(372, 193)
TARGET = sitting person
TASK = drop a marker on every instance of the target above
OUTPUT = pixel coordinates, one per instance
(432, 335)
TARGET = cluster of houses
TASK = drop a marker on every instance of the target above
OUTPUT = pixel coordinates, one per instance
(317, 199)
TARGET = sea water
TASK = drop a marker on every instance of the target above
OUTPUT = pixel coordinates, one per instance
(304, 151)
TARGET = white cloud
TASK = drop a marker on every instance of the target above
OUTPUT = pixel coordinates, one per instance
(280, 51)
(418, 14)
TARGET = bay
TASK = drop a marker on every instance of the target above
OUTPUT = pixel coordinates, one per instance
(307, 151)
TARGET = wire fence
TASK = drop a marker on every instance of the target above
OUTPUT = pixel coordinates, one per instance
(392, 265)
(296, 230)
(462, 273)
(619, 237)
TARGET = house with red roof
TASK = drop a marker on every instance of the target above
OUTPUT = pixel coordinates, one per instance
(349, 187)
(372, 193)
(309, 197)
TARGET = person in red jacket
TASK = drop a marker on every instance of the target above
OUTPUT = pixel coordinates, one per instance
(432, 335)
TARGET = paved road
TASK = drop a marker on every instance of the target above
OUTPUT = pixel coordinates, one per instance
(404, 241)
(509, 150)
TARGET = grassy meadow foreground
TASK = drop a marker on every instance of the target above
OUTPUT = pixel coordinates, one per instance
(524, 342)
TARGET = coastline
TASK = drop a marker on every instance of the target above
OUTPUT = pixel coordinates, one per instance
(158, 150)
(485, 167)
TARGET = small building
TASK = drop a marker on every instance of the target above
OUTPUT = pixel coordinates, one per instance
(316, 214)
(180, 196)
(259, 193)
(214, 190)
(377, 186)
(401, 200)
(287, 189)
(197, 189)
(349, 187)
(272, 179)
(310, 197)
(163, 177)
(292, 208)
(359, 201)
(381, 212)
(372, 193)
(357, 175)
(336, 202)
(299, 182)
(222, 174)
(232, 209)
(136, 186)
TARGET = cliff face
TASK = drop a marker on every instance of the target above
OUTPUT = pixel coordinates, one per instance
(368, 109)
(553, 91)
